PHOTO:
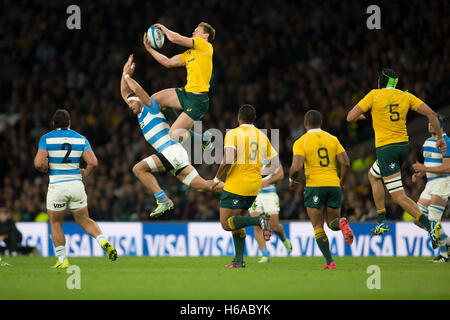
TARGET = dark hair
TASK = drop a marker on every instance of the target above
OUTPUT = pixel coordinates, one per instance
(207, 28)
(313, 118)
(61, 119)
(247, 113)
(384, 77)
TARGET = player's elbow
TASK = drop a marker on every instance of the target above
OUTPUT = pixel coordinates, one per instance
(350, 118)
(92, 163)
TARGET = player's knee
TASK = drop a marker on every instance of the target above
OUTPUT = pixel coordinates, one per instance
(225, 225)
(137, 169)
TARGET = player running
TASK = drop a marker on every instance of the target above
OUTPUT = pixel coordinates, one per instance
(434, 197)
(245, 149)
(193, 98)
(267, 202)
(170, 156)
(317, 151)
(389, 107)
(60, 151)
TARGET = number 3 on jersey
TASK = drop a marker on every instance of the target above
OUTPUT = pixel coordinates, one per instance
(253, 151)
(323, 155)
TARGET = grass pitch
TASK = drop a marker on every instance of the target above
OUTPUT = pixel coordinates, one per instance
(206, 278)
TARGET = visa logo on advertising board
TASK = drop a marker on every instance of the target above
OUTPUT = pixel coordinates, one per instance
(364, 244)
(35, 234)
(274, 245)
(304, 244)
(125, 237)
(209, 239)
(414, 241)
(165, 239)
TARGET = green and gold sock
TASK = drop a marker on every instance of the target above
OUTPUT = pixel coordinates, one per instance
(238, 222)
(334, 225)
(381, 215)
(324, 245)
(239, 244)
(423, 219)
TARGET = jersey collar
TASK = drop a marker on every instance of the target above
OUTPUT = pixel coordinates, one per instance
(315, 130)
(246, 125)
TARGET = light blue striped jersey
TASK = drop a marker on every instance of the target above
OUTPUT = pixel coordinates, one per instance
(64, 147)
(154, 126)
(433, 157)
(270, 188)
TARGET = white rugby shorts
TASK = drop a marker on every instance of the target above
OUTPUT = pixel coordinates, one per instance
(176, 155)
(266, 203)
(439, 187)
(63, 195)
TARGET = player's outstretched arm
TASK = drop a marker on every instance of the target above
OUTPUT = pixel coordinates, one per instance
(426, 111)
(443, 168)
(344, 161)
(356, 114)
(173, 62)
(91, 161)
(296, 167)
(175, 37)
(277, 176)
(41, 161)
(132, 84)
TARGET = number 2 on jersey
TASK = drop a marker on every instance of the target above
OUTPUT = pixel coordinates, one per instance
(323, 154)
(69, 150)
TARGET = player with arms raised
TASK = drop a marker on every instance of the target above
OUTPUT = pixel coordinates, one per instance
(317, 151)
(60, 151)
(171, 156)
(193, 98)
(389, 107)
(245, 149)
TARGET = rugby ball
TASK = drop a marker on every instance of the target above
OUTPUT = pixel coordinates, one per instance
(155, 37)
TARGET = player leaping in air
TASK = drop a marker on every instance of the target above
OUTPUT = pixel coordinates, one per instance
(170, 156)
(389, 107)
(192, 99)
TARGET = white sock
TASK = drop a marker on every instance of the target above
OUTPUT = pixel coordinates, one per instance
(99, 239)
(60, 252)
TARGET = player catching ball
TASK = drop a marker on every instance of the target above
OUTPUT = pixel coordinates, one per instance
(192, 99)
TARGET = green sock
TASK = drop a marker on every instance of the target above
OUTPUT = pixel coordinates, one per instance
(423, 219)
(324, 245)
(239, 244)
(334, 225)
(381, 215)
(170, 114)
(238, 222)
(282, 237)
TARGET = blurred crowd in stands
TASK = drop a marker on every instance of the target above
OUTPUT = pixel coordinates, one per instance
(283, 57)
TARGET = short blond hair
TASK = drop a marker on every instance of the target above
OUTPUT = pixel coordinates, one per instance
(207, 28)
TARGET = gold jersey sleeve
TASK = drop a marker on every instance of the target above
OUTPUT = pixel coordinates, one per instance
(389, 108)
(252, 148)
(199, 65)
(319, 148)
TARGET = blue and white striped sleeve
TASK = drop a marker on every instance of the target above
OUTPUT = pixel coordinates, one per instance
(43, 143)
(87, 145)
